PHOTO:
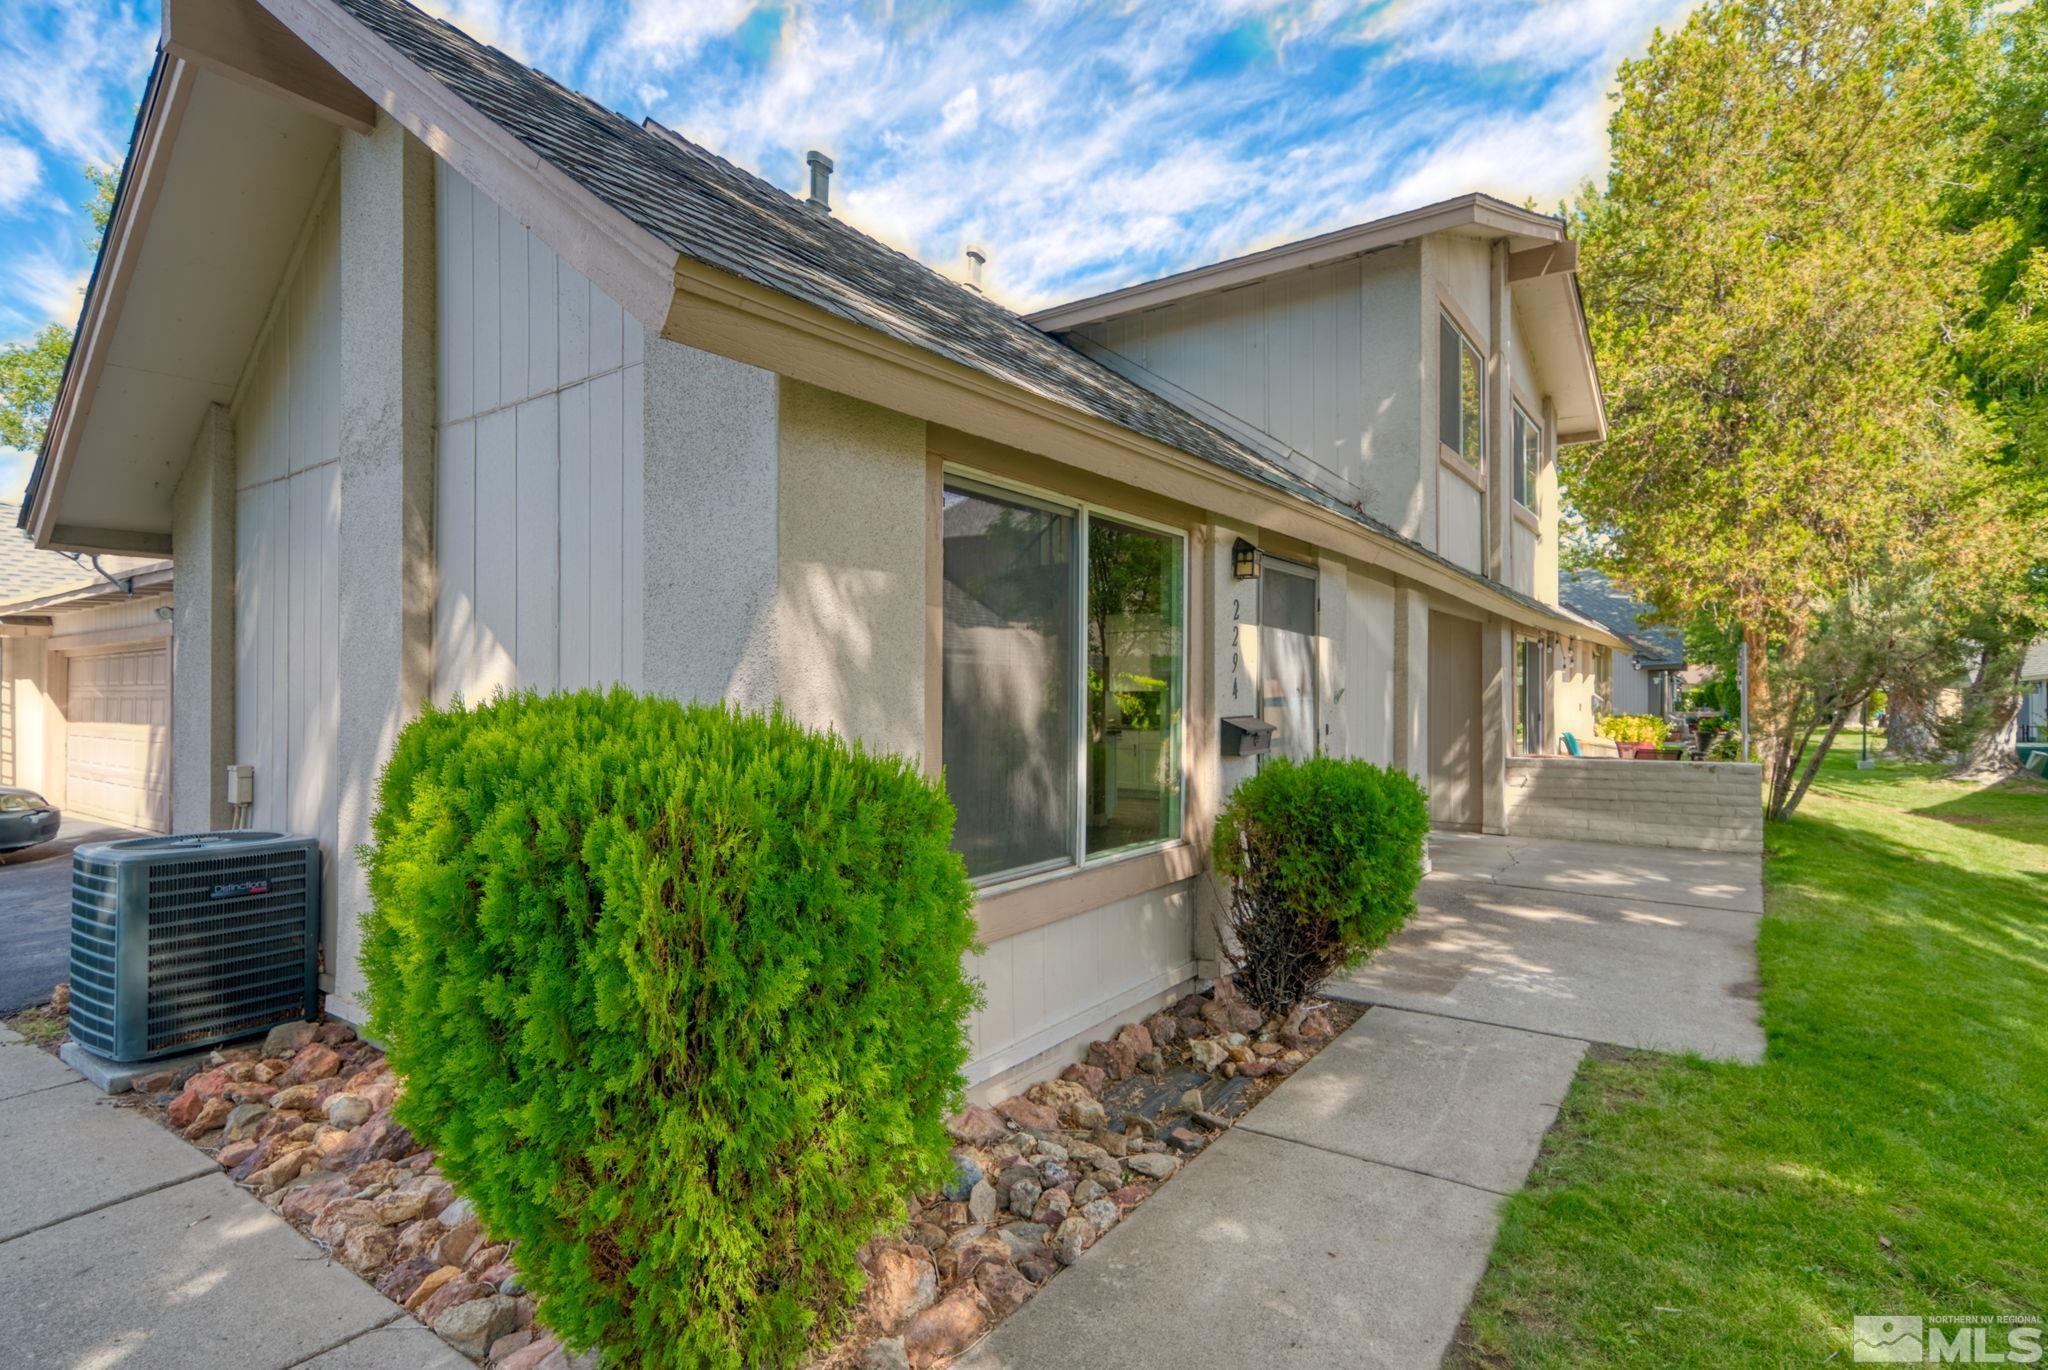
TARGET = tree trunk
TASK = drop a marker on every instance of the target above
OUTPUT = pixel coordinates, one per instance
(1813, 762)
(1909, 729)
(1992, 751)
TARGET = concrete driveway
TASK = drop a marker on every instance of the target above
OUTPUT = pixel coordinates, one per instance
(35, 912)
(1633, 946)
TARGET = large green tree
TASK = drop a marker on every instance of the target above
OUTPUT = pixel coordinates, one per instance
(31, 371)
(1772, 282)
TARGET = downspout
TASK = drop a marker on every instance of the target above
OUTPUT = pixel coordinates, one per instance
(126, 587)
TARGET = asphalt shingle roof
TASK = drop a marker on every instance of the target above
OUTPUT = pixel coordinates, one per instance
(29, 572)
(713, 212)
(1590, 594)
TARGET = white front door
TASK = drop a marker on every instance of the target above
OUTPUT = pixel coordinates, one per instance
(118, 737)
(1287, 639)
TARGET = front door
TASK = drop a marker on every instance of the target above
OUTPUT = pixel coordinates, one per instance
(1287, 637)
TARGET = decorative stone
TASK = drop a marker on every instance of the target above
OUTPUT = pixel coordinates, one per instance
(1024, 1197)
(241, 1121)
(281, 1171)
(1163, 1029)
(211, 1114)
(234, 1153)
(1186, 1140)
(1087, 1191)
(286, 1038)
(977, 1126)
(484, 1260)
(1101, 1215)
(367, 1246)
(966, 1174)
(1207, 1052)
(1090, 1078)
(1130, 1196)
(1022, 1239)
(901, 1284)
(402, 1279)
(1038, 1267)
(503, 1347)
(461, 1289)
(981, 1202)
(296, 1097)
(1113, 1144)
(1117, 1059)
(886, 1354)
(1003, 1288)
(1052, 1208)
(314, 1062)
(1152, 1063)
(461, 1242)
(471, 1327)
(947, 1328)
(1074, 1237)
(430, 1285)
(348, 1110)
(1134, 1036)
(541, 1351)
(1152, 1167)
(1022, 1111)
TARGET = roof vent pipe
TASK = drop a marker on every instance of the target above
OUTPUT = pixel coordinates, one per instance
(821, 180)
(976, 260)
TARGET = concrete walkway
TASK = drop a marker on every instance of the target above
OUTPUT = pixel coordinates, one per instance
(1347, 1219)
(122, 1245)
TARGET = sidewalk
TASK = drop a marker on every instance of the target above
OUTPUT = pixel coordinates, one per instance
(121, 1245)
(1348, 1218)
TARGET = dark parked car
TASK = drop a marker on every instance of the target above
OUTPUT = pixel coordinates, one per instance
(26, 819)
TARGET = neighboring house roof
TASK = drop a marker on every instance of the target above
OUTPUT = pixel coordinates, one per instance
(26, 570)
(2035, 667)
(1592, 595)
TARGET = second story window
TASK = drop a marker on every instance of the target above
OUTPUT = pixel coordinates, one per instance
(1526, 454)
(1461, 399)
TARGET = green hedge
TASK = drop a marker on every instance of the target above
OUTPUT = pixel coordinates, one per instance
(1322, 859)
(677, 995)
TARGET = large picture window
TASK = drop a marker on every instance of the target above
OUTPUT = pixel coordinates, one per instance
(1461, 396)
(1064, 665)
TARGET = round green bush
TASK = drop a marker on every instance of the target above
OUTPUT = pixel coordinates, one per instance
(1322, 859)
(678, 1000)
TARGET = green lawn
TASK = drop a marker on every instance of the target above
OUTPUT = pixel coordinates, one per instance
(1889, 1156)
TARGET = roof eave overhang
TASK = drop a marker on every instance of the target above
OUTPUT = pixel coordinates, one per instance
(721, 313)
(1495, 218)
(140, 582)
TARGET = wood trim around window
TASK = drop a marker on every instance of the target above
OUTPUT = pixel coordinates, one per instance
(1037, 900)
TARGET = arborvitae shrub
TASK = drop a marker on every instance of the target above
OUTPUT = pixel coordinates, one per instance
(1322, 859)
(677, 996)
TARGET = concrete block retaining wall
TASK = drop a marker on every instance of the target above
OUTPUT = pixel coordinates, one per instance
(1706, 805)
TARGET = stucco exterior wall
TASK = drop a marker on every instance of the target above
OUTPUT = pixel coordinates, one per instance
(1707, 806)
(851, 492)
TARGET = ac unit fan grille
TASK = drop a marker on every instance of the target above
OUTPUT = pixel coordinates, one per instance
(227, 965)
(93, 966)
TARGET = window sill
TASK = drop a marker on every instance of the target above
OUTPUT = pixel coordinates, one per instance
(1017, 905)
(1527, 517)
(1472, 475)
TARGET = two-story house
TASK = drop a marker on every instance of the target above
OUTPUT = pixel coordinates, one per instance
(436, 378)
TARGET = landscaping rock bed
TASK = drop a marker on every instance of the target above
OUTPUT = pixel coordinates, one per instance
(304, 1122)
(1042, 1176)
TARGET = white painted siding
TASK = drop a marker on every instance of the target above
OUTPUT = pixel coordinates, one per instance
(1368, 706)
(537, 519)
(1285, 356)
(1461, 519)
(1046, 985)
(288, 520)
(1522, 559)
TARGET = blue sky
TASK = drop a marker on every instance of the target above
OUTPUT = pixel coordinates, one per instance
(1083, 145)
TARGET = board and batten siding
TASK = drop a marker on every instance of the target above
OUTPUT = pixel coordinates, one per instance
(287, 423)
(539, 468)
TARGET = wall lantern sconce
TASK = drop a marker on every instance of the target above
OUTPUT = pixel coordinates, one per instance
(1244, 560)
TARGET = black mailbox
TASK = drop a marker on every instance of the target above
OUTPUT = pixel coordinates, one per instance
(1247, 736)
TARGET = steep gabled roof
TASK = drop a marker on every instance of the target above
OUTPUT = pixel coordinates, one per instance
(710, 211)
(28, 571)
(1591, 594)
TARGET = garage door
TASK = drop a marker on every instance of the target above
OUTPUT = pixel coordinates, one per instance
(118, 738)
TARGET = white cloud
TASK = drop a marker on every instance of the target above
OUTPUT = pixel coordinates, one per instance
(44, 288)
(20, 172)
(665, 32)
(70, 72)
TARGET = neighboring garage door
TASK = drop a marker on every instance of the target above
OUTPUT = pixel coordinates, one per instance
(118, 737)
